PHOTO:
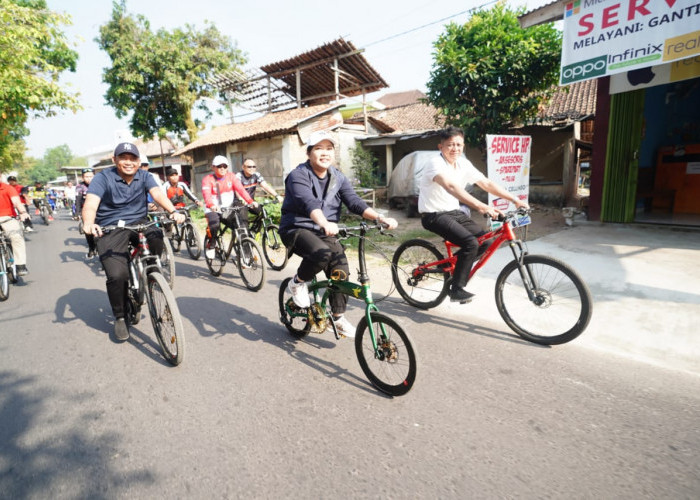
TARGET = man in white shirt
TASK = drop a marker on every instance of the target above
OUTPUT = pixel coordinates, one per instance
(442, 190)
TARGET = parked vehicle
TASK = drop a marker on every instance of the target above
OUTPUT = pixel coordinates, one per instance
(405, 178)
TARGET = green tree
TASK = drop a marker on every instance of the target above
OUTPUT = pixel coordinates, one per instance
(160, 77)
(49, 167)
(489, 73)
(364, 166)
(33, 54)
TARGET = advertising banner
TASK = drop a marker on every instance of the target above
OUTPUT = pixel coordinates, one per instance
(604, 37)
(508, 164)
(676, 71)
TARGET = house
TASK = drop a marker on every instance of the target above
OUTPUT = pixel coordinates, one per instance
(276, 141)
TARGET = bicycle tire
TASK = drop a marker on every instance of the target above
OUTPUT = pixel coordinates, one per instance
(298, 326)
(218, 261)
(11, 268)
(133, 309)
(424, 290)
(192, 241)
(166, 319)
(80, 227)
(44, 215)
(4, 277)
(275, 251)
(167, 263)
(250, 264)
(175, 239)
(394, 371)
(561, 294)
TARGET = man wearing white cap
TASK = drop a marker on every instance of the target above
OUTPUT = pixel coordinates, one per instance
(219, 190)
(314, 194)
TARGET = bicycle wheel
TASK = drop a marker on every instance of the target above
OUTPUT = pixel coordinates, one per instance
(192, 240)
(4, 278)
(133, 307)
(175, 239)
(165, 316)
(298, 326)
(167, 263)
(44, 215)
(80, 227)
(393, 369)
(274, 249)
(562, 306)
(11, 267)
(250, 264)
(419, 288)
(217, 260)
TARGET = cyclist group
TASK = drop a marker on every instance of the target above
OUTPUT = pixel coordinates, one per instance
(315, 192)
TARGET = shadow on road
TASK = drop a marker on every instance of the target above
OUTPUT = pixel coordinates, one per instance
(213, 317)
(70, 458)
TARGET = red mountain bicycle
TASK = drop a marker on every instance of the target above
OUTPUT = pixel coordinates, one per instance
(540, 298)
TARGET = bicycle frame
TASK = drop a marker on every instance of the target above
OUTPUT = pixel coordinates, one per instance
(360, 291)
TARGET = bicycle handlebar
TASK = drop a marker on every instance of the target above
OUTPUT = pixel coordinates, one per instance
(347, 231)
(135, 227)
(512, 214)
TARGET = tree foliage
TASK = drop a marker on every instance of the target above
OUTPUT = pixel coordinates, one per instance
(364, 166)
(490, 73)
(161, 76)
(49, 167)
(33, 54)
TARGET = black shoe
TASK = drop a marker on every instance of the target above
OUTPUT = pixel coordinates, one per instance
(121, 330)
(91, 254)
(461, 295)
(22, 270)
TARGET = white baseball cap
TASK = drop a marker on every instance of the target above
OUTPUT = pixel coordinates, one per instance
(144, 160)
(220, 160)
(321, 135)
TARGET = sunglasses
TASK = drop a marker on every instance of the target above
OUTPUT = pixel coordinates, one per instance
(221, 166)
(250, 166)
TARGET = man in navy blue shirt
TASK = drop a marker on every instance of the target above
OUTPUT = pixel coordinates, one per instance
(314, 194)
(120, 194)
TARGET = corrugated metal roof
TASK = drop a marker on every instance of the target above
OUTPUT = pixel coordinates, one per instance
(269, 125)
(318, 77)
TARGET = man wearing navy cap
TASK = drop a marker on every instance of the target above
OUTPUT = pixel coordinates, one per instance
(120, 194)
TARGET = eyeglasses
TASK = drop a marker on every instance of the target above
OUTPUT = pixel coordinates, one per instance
(220, 166)
(250, 166)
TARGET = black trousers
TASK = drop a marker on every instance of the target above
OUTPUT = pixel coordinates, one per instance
(458, 228)
(319, 253)
(113, 249)
(214, 220)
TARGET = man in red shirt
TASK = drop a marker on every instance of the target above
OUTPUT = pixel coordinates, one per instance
(9, 203)
(219, 190)
(12, 181)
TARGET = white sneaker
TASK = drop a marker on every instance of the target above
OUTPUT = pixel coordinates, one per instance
(28, 229)
(210, 253)
(344, 327)
(300, 293)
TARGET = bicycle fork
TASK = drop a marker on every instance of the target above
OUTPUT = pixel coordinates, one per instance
(525, 272)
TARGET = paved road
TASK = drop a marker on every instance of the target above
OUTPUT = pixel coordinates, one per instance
(253, 413)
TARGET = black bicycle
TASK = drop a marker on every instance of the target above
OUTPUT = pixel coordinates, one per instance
(234, 240)
(8, 269)
(187, 233)
(267, 233)
(148, 285)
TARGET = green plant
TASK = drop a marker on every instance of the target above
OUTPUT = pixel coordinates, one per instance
(364, 166)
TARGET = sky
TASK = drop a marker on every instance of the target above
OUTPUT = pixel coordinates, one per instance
(397, 36)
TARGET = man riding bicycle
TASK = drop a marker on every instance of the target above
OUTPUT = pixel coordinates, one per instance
(177, 191)
(9, 204)
(119, 196)
(219, 190)
(441, 191)
(314, 194)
